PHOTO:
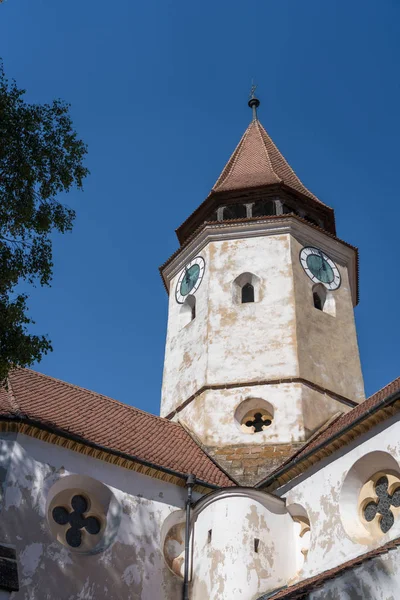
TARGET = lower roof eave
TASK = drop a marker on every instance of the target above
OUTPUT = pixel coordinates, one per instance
(201, 485)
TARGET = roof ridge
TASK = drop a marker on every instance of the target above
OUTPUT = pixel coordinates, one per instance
(96, 394)
(380, 390)
(260, 129)
(336, 428)
(271, 141)
(315, 581)
(193, 436)
(234, 157)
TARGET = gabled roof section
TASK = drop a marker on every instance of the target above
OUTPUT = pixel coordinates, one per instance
(106, 424)
(301, 590)
(377, 408)
(257, 162)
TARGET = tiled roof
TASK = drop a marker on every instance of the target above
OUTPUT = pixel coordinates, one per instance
(339, 425)
(107, 424)
(256, 162)
(302, 589)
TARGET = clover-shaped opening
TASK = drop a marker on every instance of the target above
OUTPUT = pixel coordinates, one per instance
(256, 420)
(77, 519)
(380, 508)
(254, 415)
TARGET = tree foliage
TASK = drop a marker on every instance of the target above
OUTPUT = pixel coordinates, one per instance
(40, 157)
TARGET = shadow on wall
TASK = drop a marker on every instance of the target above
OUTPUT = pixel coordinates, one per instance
(131, 567)
(377, 579)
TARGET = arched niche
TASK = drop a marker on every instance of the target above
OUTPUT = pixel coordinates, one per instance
(187, 312)
(246, 287)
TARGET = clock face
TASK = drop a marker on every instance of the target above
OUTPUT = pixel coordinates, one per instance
(190, 279)
(320, 268)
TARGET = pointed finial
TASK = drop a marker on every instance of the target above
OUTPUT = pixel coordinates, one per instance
(254, 102)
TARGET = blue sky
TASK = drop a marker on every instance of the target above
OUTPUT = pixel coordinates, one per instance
(159, 91)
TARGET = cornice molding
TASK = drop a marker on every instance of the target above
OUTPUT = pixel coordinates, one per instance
(273, 503)
(257, 382)
(45, 435)
(304, 232)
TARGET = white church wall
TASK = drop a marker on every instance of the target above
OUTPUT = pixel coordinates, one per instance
(376, 579)
(130, 567)
(230, 342)
(244, 544)
(331, 495)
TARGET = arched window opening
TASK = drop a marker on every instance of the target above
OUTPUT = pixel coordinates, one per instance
(246, 288)
(319, 296)
(235, 211)
(264, 208)
(247, 293)
(187, 312)
(324, 300)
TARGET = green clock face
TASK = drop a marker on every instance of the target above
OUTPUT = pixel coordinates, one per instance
(189, 279)
(320, 268)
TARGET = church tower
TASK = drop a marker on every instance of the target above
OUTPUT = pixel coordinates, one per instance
(261, 348)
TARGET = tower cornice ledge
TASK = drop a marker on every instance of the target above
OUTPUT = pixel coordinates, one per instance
(305, 232)
(280, 381)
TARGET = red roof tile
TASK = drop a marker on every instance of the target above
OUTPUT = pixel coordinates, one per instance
(256, 162)
(302, 589)
(107, 423)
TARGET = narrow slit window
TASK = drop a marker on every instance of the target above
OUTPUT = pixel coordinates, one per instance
(247, 293)
(319, 296)
(187, 312)
(317, 301)
(256, 545)
(209, 536)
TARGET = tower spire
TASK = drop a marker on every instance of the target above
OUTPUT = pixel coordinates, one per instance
(254, 102)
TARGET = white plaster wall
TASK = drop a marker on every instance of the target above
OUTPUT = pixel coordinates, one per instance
(228, 567)
(131, 567)
(326, 344)
(320, 493)
(212, 415)
(228, 342)
(297, 412)
(280, 336)
(249, 342)
(186, 349)
(376, 579)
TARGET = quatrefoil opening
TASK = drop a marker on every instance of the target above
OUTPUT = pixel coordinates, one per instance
(256, 420)
(77, 519)
(378, 509)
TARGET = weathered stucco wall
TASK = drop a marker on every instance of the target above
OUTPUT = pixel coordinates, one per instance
(131, 567)
(279, 336)
(297, 412)
(327, 345)
(243, 546)
(377, 579)
(330, 495)
(228, 342)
